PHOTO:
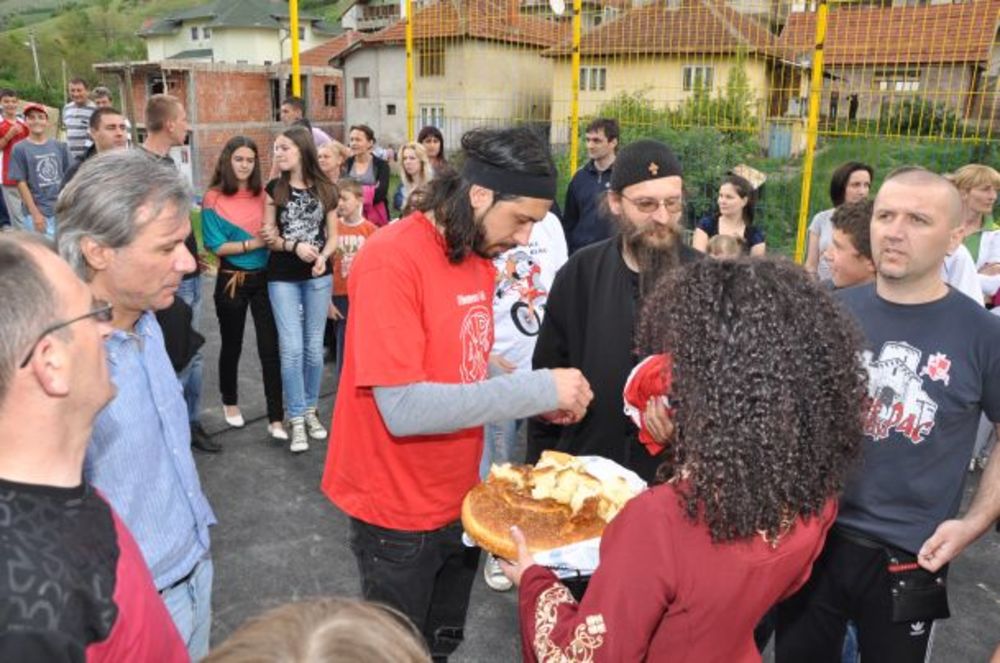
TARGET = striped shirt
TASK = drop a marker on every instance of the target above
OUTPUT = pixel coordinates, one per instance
(76, 119)
(140, 456)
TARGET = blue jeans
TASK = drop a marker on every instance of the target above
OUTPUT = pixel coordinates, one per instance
(50, 225)
(498, 443)
(851, 653)
(340, 327)
(190, 606)
(300, 314)
(191, 375)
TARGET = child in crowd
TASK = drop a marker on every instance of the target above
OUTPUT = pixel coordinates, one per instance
(353, 230)
(849, 254)
(12, 131)
(319, 630)
(726, 246)
(38, 164)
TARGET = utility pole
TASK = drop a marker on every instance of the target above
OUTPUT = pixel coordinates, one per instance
(34, 55)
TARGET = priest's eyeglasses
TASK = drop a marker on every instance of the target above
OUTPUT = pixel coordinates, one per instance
(650, 205)
(102, 312)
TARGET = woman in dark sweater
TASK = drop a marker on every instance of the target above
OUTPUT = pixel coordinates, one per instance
(371, 171)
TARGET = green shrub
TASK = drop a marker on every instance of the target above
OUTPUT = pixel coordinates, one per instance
(920, 116)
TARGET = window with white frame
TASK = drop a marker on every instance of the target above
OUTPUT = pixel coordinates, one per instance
(194, 33)
(593, 78)
(698, 76)
(897, 80)
(432, 116)
(206, 33)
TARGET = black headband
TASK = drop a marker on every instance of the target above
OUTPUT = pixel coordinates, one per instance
(505, 181)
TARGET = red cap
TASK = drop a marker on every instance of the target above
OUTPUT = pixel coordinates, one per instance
(35, 107)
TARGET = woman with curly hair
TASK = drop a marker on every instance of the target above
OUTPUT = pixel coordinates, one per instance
(767, 388)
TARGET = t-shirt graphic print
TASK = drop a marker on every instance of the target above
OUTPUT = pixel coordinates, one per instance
(897, 399)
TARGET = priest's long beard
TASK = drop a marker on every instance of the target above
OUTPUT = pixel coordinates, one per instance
(655, 251)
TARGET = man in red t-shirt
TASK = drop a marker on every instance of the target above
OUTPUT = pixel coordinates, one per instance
(12, 131)
(75, 586)
(416, 388)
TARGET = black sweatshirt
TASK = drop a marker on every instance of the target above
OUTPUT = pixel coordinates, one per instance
(590, 324)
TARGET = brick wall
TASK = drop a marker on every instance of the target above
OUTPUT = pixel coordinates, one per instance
(236, 100)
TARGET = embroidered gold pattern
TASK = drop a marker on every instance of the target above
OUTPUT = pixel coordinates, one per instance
(587, 637)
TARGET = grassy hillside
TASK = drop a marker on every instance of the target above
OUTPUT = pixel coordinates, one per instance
(79, 32)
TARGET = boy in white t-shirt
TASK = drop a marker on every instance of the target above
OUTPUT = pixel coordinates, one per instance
(524, 276)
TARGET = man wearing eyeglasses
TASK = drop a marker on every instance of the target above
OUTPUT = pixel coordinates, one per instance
(74, 585)
(129, 247)
(594, 301)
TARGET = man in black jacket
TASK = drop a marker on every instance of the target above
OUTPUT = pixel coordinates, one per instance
(594, 302)
(584, 220)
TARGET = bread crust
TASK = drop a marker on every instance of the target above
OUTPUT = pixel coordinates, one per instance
(554, 504)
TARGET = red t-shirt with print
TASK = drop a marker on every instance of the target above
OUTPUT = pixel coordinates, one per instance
(350, 239)
(18, 136)
(415, 317)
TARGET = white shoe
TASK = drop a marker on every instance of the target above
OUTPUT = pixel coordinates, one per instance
(299, 442)
(277, 430)
(315, 428)
(235, 420)
(494, 577)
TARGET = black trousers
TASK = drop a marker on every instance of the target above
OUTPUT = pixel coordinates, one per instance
(849, 581)
(235, 292)
(427, 576)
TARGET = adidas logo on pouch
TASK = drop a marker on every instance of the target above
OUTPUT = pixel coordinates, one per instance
(917, 629)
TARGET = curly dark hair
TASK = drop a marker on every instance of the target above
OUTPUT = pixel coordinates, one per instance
(768, 388)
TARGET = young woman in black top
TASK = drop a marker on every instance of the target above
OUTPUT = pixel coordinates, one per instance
(300, 226)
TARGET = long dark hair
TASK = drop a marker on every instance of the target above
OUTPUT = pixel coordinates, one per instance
(314, 177)
(840, 177)
(518, 150)
(775, 437)
(744, 190)
(224, 179)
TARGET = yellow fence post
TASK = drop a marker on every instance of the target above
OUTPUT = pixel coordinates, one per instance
(574, 104)
(293, 12)
(410, 109)
(812, 128)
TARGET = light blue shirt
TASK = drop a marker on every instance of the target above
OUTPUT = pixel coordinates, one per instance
(140, 455)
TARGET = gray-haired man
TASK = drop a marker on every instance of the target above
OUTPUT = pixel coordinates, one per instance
(130, 250)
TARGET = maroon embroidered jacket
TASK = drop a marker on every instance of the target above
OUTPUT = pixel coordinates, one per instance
(665, 592)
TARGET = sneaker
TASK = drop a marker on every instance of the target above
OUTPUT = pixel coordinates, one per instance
(300, 442)
(316, 430)
(494, 577)
(277, 430)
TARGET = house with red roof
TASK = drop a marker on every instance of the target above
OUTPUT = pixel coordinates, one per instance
(668, 49)
(476, 62)
(878, 56)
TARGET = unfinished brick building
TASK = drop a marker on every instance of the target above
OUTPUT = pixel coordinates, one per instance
(224, 100)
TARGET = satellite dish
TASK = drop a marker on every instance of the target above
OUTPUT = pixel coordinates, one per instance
(558, 7)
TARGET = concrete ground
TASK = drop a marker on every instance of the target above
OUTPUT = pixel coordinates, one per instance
(279, 539)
